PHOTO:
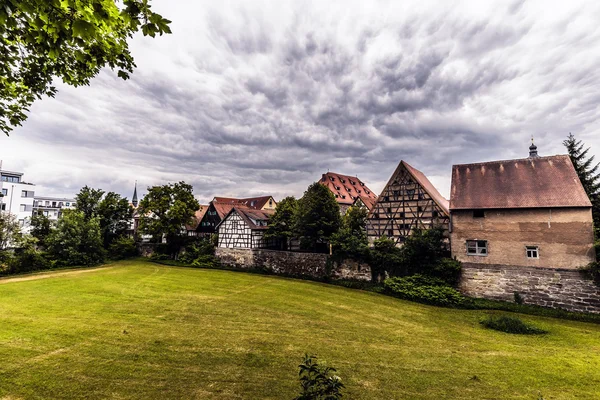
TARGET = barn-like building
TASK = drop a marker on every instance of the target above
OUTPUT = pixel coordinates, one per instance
(245, 228)
(347, 189)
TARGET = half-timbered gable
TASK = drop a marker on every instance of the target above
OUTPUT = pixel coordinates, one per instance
(245, 228)
(408, 201)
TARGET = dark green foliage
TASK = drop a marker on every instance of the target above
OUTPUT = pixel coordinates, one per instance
(41, 40)
(165, 210)
(593, 270)
(318, 382)
(88, 200)
(589, 174)
(122, 247)
(351, 240)
(518, 298)
(447, 269)
(318, 217)
(384, 257)
(29, 259)
(10, 231)
(202, 247)
(282, 223)
(510, 324)
(41, 226)
(76, 240)
(424, 289)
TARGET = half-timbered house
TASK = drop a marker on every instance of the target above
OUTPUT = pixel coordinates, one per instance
(346, 189)
(219, 207)
(245, 228)
(408, 201)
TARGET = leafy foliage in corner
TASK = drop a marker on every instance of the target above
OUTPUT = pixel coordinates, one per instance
(76, 240)
(424, 289)
(68, 39)
(589, 175)
(510, 324)
(318, 382)
(165, 210)
(351, 240)
(281, 224)
(318, 216)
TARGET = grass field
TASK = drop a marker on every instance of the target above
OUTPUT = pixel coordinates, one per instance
(143, 331)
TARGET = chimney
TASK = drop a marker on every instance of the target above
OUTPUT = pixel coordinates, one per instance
(533, 150)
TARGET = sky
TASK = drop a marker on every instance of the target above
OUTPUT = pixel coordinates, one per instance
(250, 98)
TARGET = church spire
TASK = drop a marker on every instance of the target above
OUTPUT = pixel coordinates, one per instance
(134, 199)
(533, 149)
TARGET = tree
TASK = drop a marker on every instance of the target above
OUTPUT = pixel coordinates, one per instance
(351, 240)
(281, 224)
(10, 231)
(318, 216)
(165, 211)
(76, 240)
(588, 173)
(113, 212)
(41, 226)
(68, 39)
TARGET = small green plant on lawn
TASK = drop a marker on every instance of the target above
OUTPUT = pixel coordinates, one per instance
(425, 289)
(509, 324)
(318, 381)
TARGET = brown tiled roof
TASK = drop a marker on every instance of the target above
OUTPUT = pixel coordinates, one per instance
(249, 215)
(197, 218)
(346, 188)
(252, 202)
(369, 202)
(428, 187)
(538, 182)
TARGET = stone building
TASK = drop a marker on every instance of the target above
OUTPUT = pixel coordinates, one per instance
(408, 201)
(530, 212)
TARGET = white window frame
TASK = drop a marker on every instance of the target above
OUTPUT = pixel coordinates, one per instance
(535, 250)
(480, 250)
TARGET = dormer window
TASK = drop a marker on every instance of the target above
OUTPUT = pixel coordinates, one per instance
(338, 188)
(336, 196)
(352, 183)
(332, 178)
(362, 184)
(342, 180)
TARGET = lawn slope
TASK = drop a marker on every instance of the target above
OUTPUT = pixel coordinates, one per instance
(143, 331)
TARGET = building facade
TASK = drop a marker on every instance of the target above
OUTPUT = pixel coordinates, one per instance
(408, 201)
(530, 212)
(346, 189)
(17, 196)
(52, 207)
(244, 228)
(219, 207)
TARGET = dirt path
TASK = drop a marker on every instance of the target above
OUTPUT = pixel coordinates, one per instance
(54, 274)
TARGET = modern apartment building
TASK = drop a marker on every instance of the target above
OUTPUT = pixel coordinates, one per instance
(52, 207)
(17, 196)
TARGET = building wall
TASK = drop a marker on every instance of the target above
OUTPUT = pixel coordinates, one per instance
(18, 200)
(52, 207)
(234, 232)
(549, 287)
(270, 205)
(564, 236)
(311, 265)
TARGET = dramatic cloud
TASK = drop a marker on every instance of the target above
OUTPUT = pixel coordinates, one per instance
(252, 98)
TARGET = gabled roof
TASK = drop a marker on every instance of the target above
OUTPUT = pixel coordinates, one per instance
(346, 188)
(252, 202)
(536, 182)
(250, 216)
(427, 186)
(197, 218)
(369, 202)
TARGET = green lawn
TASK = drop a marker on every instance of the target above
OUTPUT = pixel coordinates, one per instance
(140, 330)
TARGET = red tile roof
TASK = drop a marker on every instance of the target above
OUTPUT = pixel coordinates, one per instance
(253, 202)
(251, 216)
(428, 187)
(538, 182)
(346, 188)
(369, 202)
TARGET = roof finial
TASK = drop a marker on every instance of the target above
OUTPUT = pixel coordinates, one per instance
(134, 199)
(533, 149)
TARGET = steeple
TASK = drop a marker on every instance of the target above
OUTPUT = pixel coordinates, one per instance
(134, 199)
(533, 150)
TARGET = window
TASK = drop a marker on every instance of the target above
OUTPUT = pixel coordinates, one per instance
(23, 207)
(5, 192)
(434, 214)
(23, 193)
(376, 215)
(389, 210)
(67, 204)
(477, 247)
(532, 251)
(396, 193)
(386, 198)
(478, 214)
(421, 196)
(390, 232)
(410, 193)
(419, 209)
(401, 215)
(270, 203)
(3, 207)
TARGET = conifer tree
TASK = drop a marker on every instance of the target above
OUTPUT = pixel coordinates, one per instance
(588, 173)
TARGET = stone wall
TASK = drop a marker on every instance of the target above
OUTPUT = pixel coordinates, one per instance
(558, 288)
(312, 265)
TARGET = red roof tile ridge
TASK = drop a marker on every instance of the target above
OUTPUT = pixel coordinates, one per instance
(513, 160)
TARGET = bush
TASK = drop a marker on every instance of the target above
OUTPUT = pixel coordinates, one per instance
(29, 259)
(424, 289)
(203, 247)
(318, 381)
(509, 324)
(447, 269)
(206, 261)
(122, 247)
(593, 270)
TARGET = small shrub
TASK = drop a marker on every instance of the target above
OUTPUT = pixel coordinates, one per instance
(593, 270)
(318, 382)
(518, 298)
(122, 247)
(448, 269)
(424, 289)
(156, 256)
(509, 324)
(203, 247)
(206, 261)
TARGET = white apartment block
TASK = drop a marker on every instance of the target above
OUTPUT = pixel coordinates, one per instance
(17, 196)
(52, 207)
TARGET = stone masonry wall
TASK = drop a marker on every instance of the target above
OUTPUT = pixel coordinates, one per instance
(558, 288)
(313, 265)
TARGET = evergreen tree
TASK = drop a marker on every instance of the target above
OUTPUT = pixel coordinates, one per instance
(588, 173)
(318, 216)
(281, 224)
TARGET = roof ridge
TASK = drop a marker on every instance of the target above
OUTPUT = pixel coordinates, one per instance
(511, 160)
